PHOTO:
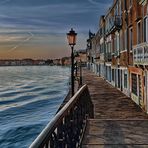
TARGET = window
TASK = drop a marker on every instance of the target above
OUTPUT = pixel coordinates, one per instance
(131, 3)
(110, 47)
(119, 78)
(120, 9)
(131, 38)
(116, 77)
(134, 84)
(114, 44)
(109, 73)
(145, 29)
(106, 44)
(92, 59)
(113, 75)
(125, 39)
(144, 78)
(121, 41)
(125, 80)
(118, 42)
(101, 48)
(139, 89)
(139, 33)
(116, 10)
(125, 5)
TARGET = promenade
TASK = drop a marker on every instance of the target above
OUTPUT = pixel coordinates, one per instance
(118, 122)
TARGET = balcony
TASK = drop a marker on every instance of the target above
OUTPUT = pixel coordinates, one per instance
(108, 57)
(101, 32)
(116, 53)
(102, 57)
(140, 54)
(115, 23)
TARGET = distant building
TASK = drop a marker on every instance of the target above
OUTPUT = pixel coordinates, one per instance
(81, 55)
(66, 61)
(22, 62)
(57, 62)
(27, 62)
(89, 50)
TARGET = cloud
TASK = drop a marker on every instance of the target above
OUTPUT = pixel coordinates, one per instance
(4, 1)
(94, 2)
(22, 42)
(43, 15)
(47, 17)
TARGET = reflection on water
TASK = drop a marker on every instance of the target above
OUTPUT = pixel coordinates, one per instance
(29, 98)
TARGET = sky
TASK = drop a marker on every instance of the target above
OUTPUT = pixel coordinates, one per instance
(37, 28)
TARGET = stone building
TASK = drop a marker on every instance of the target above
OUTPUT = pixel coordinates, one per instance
(121, 49)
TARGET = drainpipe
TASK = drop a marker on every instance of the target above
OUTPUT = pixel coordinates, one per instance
(127, 31)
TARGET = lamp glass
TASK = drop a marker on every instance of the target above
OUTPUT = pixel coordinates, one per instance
(71, 36)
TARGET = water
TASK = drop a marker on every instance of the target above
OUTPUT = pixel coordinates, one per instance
(29, 98)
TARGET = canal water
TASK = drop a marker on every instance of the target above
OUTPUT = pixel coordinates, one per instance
(29, 98)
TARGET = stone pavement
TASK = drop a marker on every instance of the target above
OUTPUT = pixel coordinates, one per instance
(118, 122)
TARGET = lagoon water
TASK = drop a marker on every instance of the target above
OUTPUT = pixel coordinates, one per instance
(29, 98)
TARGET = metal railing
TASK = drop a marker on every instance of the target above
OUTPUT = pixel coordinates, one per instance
(108, 57)
(78, 72)
(114, 23)
(118, 21)
(140, 54)
(67, 127)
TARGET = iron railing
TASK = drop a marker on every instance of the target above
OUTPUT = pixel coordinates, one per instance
(67, 127)
(114, 23)
(108, 57)
(140, 54)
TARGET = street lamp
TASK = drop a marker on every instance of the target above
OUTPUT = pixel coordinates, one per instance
(71, 36)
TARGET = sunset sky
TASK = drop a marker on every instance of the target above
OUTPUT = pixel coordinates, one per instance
(37, 28)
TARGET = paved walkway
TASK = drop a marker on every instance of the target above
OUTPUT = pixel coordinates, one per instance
(118, 122)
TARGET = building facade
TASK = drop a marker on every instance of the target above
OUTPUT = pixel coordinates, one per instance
(118, 52)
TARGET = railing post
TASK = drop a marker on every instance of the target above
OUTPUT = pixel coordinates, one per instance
(80, 73)
(72, 71)
(76, 67)
(60, 135)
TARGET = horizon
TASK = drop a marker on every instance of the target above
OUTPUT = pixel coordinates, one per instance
(33, 29)
(36, 59)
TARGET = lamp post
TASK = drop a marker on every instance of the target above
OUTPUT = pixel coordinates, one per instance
(71, 36)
